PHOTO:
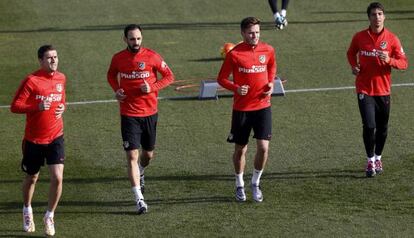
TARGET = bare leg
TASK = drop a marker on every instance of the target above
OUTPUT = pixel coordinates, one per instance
(261, 154)
(29, 184)
(56, 184)
(239, 158)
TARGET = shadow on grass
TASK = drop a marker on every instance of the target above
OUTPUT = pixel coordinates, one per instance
(354, 174)
(363, 12)
(197, 25)
(23, 236)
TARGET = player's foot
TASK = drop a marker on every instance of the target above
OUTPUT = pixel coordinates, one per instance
(141, 207)
(378, 166)
(49, 226)
(370, 169)
(142, 183)
(281, 22)
(240, 194)
(257, 193)
(28, 223)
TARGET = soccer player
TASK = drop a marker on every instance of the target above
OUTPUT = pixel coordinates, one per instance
(41, 96)
(253, 66)
(280, 17)
(133, 77)
(372, 54)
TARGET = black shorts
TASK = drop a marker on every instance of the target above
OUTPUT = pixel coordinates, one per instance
(374, 110)
(34, 155)
(243, 122)
(139, 131)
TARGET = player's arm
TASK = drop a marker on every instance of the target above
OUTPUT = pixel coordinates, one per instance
(398, 59)
(352, 56)
(113, 80)
(62, 105)
(20, 103)
(166, 79)
(224, 74)
(271, 73)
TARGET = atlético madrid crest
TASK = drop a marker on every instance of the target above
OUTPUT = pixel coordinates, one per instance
(141, 65)
(383, 45)
(262, 58)
(59, 87)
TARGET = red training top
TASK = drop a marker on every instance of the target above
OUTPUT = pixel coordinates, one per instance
(128, 71)
(254, 66)
(42, 127)
(374, 78)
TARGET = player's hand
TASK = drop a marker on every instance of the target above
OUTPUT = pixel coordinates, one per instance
(356, 70)
(270, 91)
(59, 110)
(45, 104)
(145, 87)
(243, 90)
(119, 95)
(383, 55)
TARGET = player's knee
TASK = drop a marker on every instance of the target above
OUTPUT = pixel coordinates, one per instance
(32, 179)
(56, 178)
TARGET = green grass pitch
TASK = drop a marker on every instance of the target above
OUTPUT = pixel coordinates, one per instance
(314, 184)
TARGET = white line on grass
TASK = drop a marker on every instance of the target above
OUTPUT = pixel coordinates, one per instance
(189, 97)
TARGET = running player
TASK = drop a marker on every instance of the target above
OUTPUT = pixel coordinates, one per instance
(280, 17)
(372, 54)
(133, 77)
(253, 66)
(41, 96)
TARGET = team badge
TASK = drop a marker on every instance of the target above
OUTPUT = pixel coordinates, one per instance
(383, 45)
(59, 87)
(141, 65)
(361, 96)
(126, 144)
(262, 58)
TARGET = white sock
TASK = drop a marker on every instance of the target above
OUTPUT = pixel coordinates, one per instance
(27, 209)
(49, 214)
(239, 180)
(256, 176)
(377, 157)
(141, 169)
(276, 15)
(372, 159)
(283, 13)
(137, 193)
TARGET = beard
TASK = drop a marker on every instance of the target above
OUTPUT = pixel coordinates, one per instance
(134, 49)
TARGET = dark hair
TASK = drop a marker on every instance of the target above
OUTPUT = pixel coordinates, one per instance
(249, 21)
(375, 5)
(131, 27)
(43, 49)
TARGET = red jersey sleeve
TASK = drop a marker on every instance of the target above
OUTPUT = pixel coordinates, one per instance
(112, 75)
(398, 59)
(166, 73)
(20, 103)
(352, 52)
(224, 74)
(271, 66)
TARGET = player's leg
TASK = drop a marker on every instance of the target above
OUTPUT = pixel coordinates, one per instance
(31, 163)
(382, 116)
(239, 162)
(239, 134)
(148, 140)
(131, 136)
(55, 158)
(367, 110)
(283, 12)
(29, 184)
(262, 128)
(273, 6)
